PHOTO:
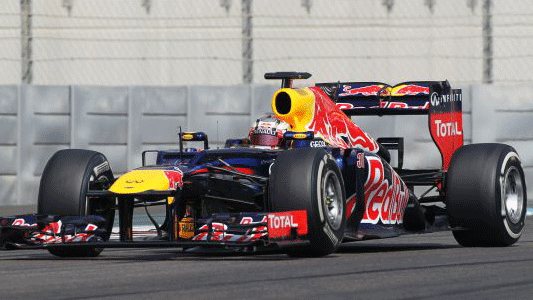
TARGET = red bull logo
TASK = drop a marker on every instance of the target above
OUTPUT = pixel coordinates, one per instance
(410, 90)
(370, 90)
(383, 90)
(175, 178)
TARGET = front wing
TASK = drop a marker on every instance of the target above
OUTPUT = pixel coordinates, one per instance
(280, 229)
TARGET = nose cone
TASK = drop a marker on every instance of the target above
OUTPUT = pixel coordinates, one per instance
(138, 181)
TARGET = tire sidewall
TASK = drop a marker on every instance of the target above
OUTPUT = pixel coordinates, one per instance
(296, 183)
(322, 231)
(512, 232)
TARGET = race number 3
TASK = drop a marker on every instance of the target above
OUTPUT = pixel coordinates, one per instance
(360, 160)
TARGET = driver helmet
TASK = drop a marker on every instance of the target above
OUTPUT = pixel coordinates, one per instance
(267, 132)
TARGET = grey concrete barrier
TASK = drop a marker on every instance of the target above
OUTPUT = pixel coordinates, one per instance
(121, 122)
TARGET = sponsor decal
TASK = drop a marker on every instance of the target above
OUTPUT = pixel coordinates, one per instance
(265, 130)
(410, 90)
(384, 90)
(277, 222)
(384, 104)
(175, 178)
(370, 90)
(186, 228)
(281, 223)
(134, 181)
(266, 124)
(447, 132)
(350, 205)
(446, 123)
(386, 194)
(22, 223)
(317, 144)
(437, 99)
(327, 230)
(447, 128)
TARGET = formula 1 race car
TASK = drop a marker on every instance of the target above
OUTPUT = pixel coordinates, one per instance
(305, 179)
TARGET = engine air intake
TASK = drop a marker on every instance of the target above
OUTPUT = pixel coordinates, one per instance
(283, 103)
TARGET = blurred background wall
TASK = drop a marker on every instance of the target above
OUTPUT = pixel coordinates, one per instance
(178, 42)
(120, 76)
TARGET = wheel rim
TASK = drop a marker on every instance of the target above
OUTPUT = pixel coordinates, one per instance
(332, 200)
(513, 194)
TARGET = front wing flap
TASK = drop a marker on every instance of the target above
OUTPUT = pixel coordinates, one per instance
(47, 230)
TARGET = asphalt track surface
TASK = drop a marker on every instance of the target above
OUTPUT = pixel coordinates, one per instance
(429, 266)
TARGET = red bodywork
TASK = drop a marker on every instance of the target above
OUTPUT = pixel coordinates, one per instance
(336, 127)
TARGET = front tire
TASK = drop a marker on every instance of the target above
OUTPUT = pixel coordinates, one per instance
(486, 195)
(63, 191)
(309, 179)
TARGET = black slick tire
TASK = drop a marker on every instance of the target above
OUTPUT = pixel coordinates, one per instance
(486, 195)
(309, 179)
(63, 191)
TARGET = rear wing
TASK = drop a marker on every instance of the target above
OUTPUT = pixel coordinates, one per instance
(437, 99)
(377, 98)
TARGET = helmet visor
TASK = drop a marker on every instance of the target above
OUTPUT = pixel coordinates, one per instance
(264, 140)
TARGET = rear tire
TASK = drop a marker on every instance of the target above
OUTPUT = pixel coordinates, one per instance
(486, 195)
(63, 191)
(309, 179)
